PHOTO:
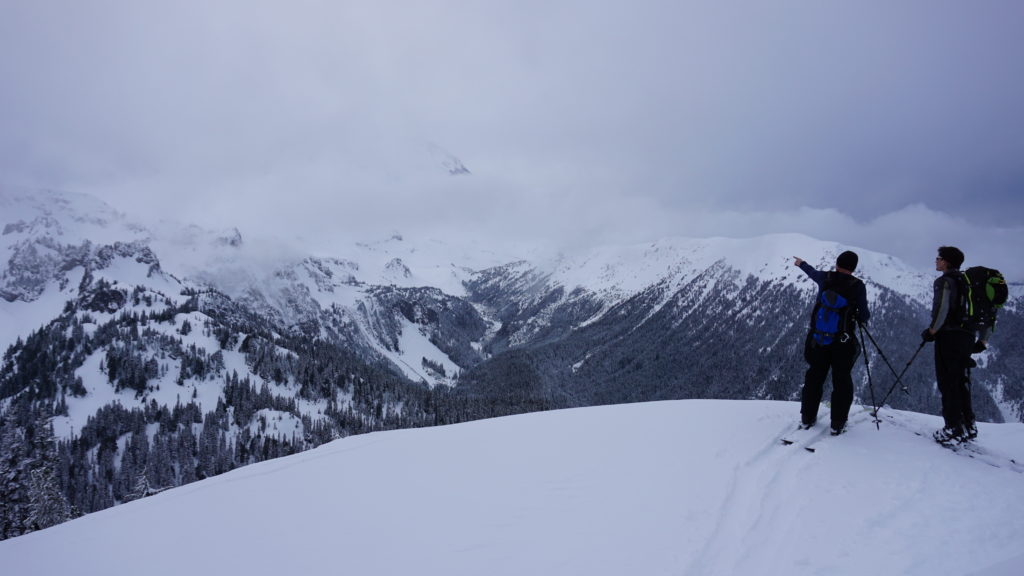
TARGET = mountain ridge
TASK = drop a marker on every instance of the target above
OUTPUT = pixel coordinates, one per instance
(177, 354)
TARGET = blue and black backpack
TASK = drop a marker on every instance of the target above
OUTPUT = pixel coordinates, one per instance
(830, 319)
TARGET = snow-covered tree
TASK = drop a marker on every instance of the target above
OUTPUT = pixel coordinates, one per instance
(48, 505)
(14, 477)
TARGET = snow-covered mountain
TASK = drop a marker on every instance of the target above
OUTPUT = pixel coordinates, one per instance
(165, 355)
(699, 318)
(610, 276)
(700, 488)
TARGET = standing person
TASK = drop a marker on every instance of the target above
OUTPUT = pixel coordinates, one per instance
(831, 343)
(953, 346)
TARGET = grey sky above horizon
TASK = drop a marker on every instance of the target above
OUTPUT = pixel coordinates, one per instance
(893, 126)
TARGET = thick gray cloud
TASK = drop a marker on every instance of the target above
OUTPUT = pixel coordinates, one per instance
(886, 125)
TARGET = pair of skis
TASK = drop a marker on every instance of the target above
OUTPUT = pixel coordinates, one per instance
(968, 448)
(807, 438)
(972, 450)
(809, 445)
(810, 438)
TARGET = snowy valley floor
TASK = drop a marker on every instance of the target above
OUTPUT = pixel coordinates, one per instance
(680, 488)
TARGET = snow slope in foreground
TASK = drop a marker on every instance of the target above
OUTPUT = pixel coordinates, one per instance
(683, 487)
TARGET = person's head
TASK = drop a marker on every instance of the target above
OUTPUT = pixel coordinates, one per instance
(949, 258)
(847, 262)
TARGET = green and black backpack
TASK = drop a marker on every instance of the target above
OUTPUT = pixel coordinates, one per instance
(984, 292)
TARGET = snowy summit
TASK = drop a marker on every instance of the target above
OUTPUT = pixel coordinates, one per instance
(698, 488)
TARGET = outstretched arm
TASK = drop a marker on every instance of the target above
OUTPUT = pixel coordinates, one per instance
(815, 275)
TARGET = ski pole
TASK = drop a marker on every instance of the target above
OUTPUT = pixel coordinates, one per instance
(871, 385)
(898, 378)
(882, 354)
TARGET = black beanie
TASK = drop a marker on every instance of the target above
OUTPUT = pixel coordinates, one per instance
(847, 261)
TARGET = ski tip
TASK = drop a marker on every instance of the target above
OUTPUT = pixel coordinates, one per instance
(809, 448)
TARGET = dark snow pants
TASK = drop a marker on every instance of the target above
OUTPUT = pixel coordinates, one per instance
(952, 352)
(839, 358)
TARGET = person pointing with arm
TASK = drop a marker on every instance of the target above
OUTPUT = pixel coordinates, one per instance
(831, 343)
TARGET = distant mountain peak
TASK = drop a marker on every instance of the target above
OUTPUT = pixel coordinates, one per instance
(449, 161)
(232, 238)
(455, 166)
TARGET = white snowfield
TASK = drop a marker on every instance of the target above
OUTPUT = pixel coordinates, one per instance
(681, 488)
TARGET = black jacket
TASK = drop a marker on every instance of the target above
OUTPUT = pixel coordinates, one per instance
(848, 285)
(947, 303)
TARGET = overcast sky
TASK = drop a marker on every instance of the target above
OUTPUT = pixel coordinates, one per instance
(897, 126)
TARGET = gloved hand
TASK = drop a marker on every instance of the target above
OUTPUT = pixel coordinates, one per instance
(979, 346)
(927, 335)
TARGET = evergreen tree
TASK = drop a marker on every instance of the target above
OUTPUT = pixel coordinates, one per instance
(14, 479)
(141, 489)
(49, 506)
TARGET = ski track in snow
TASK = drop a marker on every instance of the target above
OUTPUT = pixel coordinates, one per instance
(762, 504)
(753, 487)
